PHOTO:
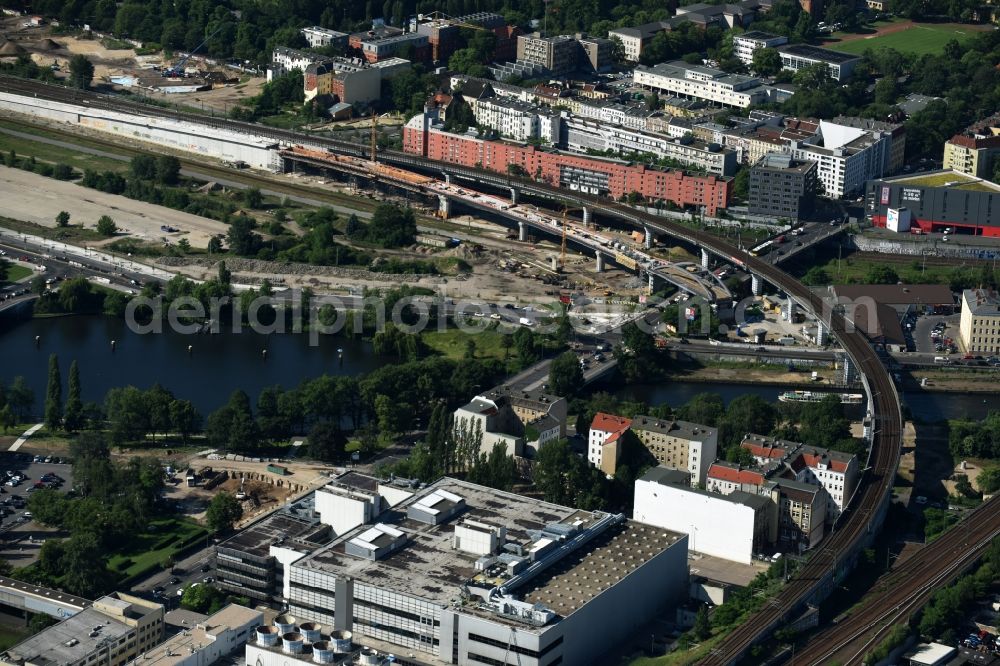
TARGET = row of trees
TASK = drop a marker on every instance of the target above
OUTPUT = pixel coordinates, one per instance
(976, 439)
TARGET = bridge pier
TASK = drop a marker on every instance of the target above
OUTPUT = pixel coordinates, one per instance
(600, 263)
(704, 258)
(447, 179)
(513, 195)
(788, 311)
(522, 231)
(821, 334)
(756, 285)
(444, 207)
(649, 237)
(587, 216)
(652, 284)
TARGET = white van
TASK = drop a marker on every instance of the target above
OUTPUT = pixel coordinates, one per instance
(942, 359)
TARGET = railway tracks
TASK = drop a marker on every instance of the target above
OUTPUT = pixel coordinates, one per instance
(865, 511)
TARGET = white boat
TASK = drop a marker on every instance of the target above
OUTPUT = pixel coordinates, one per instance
(812, 396)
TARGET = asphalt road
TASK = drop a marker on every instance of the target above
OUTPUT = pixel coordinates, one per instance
(194, 568)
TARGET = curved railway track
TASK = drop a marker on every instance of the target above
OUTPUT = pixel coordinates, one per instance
(857, 522)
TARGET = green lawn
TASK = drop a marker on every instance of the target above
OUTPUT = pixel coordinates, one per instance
(164, 538)
(451, 343)
(54, 154)
(918, 39)
(15, 273)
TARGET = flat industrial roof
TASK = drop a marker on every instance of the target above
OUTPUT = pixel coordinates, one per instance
(430, 568)
(945, 178)
(897, 294)
(817, 53)
(179, 648)
(295, 523)
(70, 640)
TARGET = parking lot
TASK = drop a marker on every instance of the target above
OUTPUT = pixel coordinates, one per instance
(20, 537)
(930, 333)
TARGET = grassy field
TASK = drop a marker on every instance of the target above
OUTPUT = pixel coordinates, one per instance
(15, 273)
(918, 39)
(452, 342)
(54, 154)
(163, 539)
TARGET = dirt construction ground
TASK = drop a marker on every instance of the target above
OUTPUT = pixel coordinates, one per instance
(30, 197)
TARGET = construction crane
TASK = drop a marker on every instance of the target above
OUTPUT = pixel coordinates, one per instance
(178, 69)
(562, 253)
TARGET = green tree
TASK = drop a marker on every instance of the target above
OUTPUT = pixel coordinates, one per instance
(988, 480)
(741, 183)
(704, 408)
(106, 226)
(202, 598)
(7, 418)
(214, 245)
(252, 198)
(766, 62)
(565, 374)
(184, 418)
(702, 628)
(881, 274)
(168, 170)
(327, 441)
(223, 512)
(526, 346)
(21, 398)
(242, 238)
(62, 219)
(225, 275)
(143, 167)
(81, 72)
(73, 417)
(816, 276)
(53, 396)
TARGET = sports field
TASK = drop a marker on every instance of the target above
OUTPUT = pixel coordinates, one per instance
(917, 39)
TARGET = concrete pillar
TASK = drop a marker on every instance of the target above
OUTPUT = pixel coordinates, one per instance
(788, 311)
(447, 179)
(600, 263)
(586, 217)
(444, 207)
(649, 237)
(704, 258)
(513, 195)
(522, 231)
(652, 284)
(821, 334)
(756, 285)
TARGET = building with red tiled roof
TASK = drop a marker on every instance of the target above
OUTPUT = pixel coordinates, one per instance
(837, 472)
(726, 477)
(603, 442)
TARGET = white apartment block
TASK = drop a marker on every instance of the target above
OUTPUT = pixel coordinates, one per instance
(284, 60)
(746, 44)
(800, 56)
(317, 36)
(979, 326)
(634, 39)
(582, 135)
(705, 83)
(846, 157)
(512, 119)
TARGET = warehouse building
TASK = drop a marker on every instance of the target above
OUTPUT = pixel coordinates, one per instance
(466, 574)
(933, 202)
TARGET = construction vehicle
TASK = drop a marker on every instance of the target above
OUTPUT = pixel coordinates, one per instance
(177, 71)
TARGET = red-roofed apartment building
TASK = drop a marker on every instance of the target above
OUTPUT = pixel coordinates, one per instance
(604, 442)
(835, 471)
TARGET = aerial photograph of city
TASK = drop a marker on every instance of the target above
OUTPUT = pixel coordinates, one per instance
(499, 332)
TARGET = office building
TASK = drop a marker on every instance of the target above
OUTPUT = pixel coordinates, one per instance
(253, 563)
(424, 135)
(387, 42)
(111, 632)
(289, 642)
(746, 44)
(349, 81)
(557, 55)
(465, 574)
(680, 445)
(782, 187)
(636, 38)
(734, 527)
(972, 152)
(979, 326)
(680, 79)
(933, 202)
(896, 157)
(604, 441)
(596, 53)
(725, 16)
(318, 37)
(207, 641)
(800, 56)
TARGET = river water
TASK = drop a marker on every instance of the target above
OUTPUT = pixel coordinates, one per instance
(217, 365)
(222, 363)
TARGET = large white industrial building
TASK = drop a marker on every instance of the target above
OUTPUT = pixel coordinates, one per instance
(463, 574)
(733, 527)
